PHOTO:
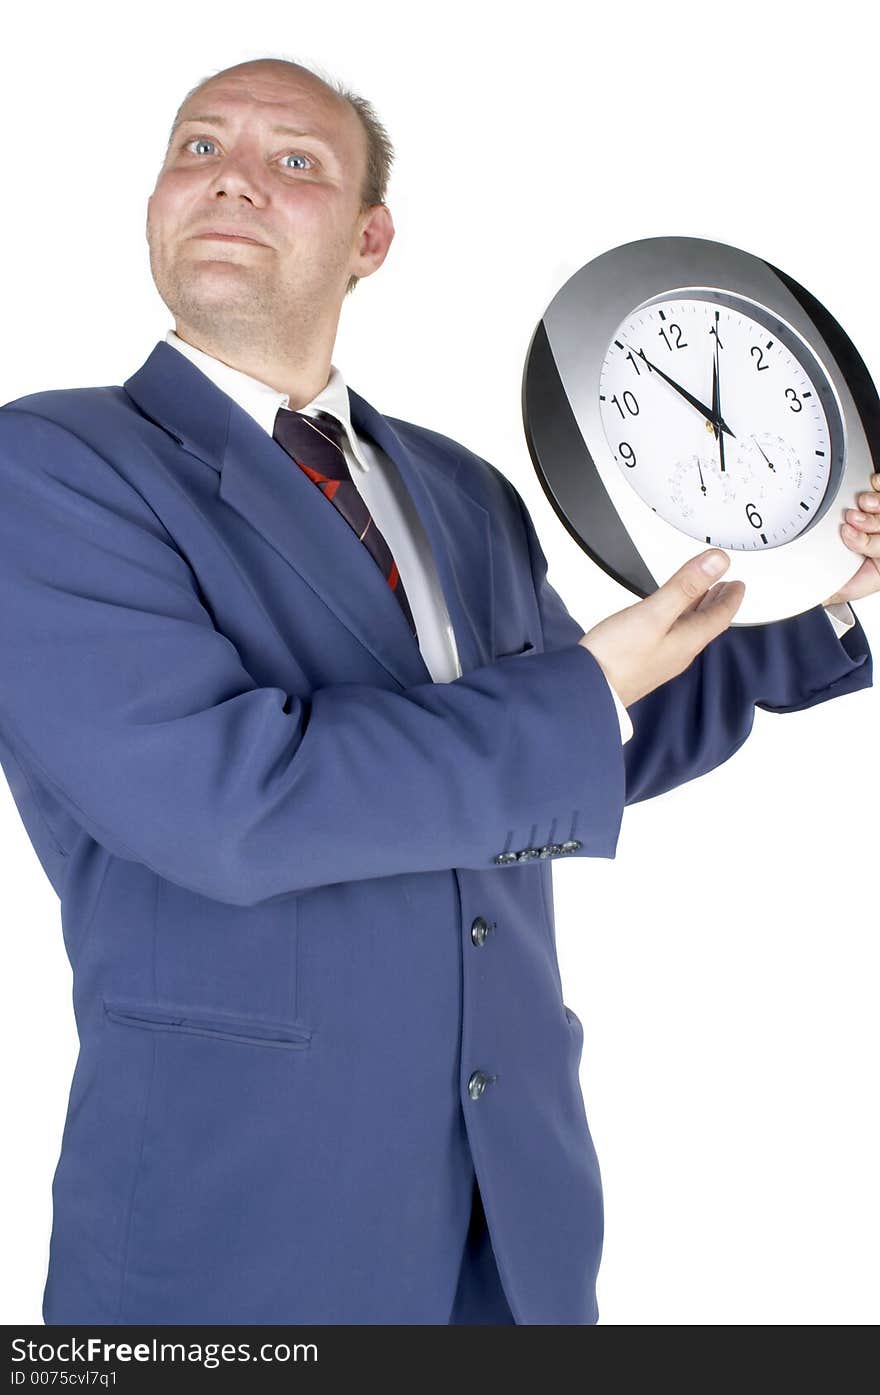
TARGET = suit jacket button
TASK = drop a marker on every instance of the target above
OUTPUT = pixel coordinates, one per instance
(571, 845)
(478, 1082)
(480, 929)
(550, 849)
(506, 857)
(526, 854)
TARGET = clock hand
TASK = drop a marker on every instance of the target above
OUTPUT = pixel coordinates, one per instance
(716, 398)
(766, 457)
(700, 406)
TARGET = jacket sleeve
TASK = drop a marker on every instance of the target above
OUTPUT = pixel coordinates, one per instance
(696, 721)
(119, 695)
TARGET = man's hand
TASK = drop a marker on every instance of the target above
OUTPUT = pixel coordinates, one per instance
(648, 643)
(862, 534)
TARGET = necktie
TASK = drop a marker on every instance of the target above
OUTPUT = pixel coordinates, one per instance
(315, 443)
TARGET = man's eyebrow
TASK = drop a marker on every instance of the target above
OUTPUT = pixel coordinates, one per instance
(276, 130)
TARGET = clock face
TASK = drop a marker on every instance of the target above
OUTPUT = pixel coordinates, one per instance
(720, 419)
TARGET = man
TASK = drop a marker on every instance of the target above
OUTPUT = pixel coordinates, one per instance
(296, 726)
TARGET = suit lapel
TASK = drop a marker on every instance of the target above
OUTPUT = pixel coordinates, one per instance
(458, 532)
(260, 481)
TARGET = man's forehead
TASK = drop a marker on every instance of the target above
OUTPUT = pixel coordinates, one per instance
(275, 104)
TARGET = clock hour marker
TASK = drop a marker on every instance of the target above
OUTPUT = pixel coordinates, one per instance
(769, 343)
(805, 506)
(601, 398)
(763, 538)
(662, 316)
(713, 329)
(618, 343)
(820, 452)
(806, 394)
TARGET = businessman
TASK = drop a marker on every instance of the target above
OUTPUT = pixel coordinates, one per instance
(297, 726)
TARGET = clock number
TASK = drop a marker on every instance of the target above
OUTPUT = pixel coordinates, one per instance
(641, 354)
(756, 349)
(628, 453)
(679, 342)
(632, 405)
(753, 516)
(795, 404)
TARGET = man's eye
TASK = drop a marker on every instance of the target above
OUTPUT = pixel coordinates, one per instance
(205, 140)
(197, 140)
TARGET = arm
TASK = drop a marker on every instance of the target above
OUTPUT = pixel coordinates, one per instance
(695, 722)
(707, 712)
(124, 701)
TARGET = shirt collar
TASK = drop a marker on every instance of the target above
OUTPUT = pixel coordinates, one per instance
(262, 401)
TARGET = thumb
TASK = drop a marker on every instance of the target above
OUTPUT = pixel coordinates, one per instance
(864, 583)
(686, 588)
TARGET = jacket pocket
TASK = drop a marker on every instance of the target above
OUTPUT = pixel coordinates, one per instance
(249, 1031)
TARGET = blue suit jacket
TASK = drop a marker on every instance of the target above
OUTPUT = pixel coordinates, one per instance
(275, 843)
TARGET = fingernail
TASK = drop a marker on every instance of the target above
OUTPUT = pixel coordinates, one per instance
(714, 563)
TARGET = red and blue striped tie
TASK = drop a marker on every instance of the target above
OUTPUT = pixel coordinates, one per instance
(315, 443)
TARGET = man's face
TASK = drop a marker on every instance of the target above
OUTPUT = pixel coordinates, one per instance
(297, 195)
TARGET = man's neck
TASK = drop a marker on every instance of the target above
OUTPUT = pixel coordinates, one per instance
(302, 383)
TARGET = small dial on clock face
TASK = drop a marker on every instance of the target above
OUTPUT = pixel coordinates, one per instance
(716, 423)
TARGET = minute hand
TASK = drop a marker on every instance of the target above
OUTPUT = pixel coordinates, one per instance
(689, 397)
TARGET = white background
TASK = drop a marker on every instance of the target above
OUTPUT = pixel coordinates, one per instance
(725, 963)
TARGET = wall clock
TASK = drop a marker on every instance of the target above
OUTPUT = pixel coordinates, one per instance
(679, 394)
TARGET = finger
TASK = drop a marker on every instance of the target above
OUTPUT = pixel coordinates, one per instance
(866, 543)
(712, 615)
(706, 598)
(722, 592)
(687, 587)
(866, 582)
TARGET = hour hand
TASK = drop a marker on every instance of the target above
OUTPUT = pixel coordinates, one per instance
(711, 416)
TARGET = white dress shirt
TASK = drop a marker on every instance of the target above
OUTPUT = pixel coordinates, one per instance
(385, 495)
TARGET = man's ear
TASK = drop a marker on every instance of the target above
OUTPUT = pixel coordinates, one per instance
(377, 235)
